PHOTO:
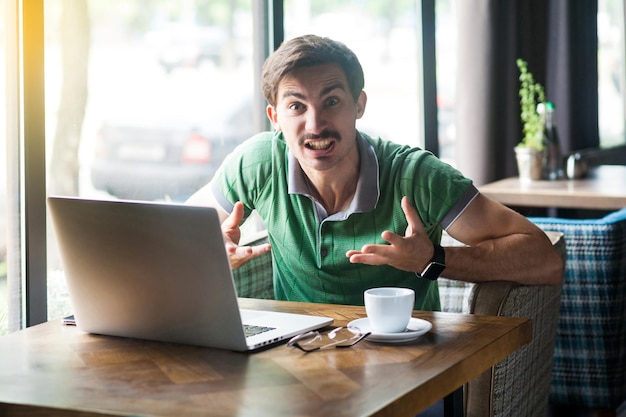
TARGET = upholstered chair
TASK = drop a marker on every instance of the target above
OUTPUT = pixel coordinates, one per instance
(518, 386)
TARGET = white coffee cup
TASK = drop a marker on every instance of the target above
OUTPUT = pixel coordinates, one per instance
(389, 308)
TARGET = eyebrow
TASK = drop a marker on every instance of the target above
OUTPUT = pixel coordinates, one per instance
(331, 87)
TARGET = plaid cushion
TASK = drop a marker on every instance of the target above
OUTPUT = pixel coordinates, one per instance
(454, 295)
(590, 353)
(255, 278)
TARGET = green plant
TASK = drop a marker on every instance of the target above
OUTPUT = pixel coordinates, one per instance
(531, 94)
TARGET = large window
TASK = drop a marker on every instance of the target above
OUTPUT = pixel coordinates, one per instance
(611, 73)
(384, 35)
(4, 310)
(446, 58)
(143, 100)
(10, 286)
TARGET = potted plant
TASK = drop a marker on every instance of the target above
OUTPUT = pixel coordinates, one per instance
(531, 151)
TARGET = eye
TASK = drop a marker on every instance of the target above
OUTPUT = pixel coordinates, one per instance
(332, 101)
(296, 106)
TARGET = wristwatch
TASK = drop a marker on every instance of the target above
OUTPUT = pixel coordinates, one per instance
(436, 265)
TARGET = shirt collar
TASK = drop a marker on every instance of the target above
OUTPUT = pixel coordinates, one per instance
(367, 189)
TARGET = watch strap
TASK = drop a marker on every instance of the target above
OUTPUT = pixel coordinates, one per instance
(436, 265)
(439, 255)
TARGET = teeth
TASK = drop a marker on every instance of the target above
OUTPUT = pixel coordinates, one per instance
(319, 144)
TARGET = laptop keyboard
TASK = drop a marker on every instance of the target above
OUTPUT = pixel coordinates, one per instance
(251, 330)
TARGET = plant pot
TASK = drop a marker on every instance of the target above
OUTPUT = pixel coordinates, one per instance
(530, 163)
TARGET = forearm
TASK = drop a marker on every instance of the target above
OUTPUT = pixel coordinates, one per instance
(528, 259)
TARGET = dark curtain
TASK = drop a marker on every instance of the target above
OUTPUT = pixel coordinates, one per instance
(558, 39)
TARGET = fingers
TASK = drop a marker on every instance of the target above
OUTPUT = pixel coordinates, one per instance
(412, 217)
(230, 226)
(394, 239)
(372, 254)
(240, 255)
(369, 255)
(235, 218)
(403, 252)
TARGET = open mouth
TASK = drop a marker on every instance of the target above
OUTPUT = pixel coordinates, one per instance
(319, 145)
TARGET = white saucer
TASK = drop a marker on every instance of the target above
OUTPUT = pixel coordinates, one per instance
(414, 329)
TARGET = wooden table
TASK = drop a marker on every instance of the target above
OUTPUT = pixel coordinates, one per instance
(51, 366)
(603, 189)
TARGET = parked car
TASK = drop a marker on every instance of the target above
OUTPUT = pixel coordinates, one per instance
(180, 45)
(163, 157)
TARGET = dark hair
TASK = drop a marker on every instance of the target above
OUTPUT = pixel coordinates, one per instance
(307, 51)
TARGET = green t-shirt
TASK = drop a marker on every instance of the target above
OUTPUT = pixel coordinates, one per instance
(309, 248)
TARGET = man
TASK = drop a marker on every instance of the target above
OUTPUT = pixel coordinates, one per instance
(346, 212)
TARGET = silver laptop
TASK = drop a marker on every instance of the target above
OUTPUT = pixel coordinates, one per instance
(159, 272)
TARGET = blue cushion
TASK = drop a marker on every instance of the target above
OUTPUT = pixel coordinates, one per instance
(611, 218)
(590, 353)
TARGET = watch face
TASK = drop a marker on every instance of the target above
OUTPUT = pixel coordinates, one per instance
(433, 270)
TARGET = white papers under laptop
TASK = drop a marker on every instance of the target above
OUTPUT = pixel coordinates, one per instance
(158, 272)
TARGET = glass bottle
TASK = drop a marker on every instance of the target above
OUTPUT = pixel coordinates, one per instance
(554, 160)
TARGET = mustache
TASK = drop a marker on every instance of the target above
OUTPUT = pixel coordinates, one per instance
(325, 134)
